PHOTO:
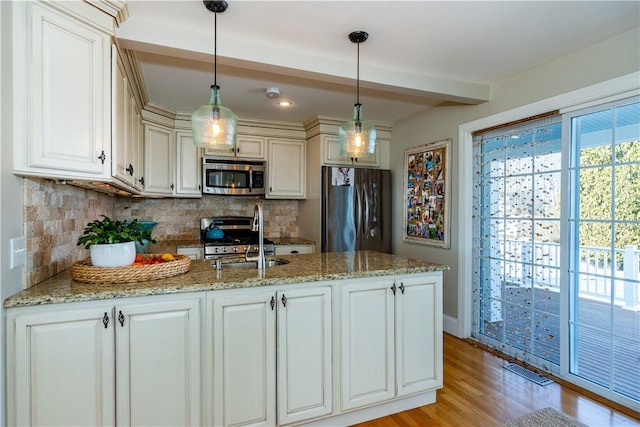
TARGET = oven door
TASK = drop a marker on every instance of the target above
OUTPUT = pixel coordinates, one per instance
(233, 178)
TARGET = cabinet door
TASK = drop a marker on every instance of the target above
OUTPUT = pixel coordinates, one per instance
(158, 160)
(418, 336)
(286, 169)
(158, 363)
(243, 355)
(367, 340)
(331, 155)
(188, 167)
(304, 354)
(61, 368)
(133, 163)
(119, 122)
(69, 92)
(250, 147)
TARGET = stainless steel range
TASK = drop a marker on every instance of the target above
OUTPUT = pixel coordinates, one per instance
(230, 236)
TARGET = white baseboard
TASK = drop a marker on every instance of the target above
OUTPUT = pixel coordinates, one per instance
(450, 325)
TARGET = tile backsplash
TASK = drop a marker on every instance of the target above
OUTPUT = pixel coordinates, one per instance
(55, 215)
(179, 219)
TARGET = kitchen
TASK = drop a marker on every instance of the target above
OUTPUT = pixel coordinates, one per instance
(51, 214)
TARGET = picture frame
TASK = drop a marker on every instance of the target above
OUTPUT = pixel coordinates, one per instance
(427, 194)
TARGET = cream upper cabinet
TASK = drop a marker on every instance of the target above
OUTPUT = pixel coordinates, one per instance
(62, 367)
(158, 363)
(331, 155)
(286, 164)
(62, 74)
(247, 147)
(126, 122)
(159, 150)
(188, 165)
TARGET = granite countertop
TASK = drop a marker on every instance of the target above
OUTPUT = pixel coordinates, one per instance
(306, 268)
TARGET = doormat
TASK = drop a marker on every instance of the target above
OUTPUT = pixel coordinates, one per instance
(526, 373)
(547, 417)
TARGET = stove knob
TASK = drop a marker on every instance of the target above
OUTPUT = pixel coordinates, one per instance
(224, 249)
(235, 249)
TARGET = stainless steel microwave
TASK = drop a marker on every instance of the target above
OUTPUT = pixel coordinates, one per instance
(232, 177)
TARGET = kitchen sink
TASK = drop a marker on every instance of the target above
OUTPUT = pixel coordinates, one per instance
(253, 264)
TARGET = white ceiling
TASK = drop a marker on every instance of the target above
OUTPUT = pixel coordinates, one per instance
(419, 53)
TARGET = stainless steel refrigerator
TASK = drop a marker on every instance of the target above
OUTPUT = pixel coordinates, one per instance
(356, 209)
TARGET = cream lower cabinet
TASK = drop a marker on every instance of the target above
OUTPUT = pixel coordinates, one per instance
(100, 365)
(270, 344)
(60, 367)
(158, 363)
(391, 344)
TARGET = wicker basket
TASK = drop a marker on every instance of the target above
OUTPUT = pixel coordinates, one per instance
(83, 271)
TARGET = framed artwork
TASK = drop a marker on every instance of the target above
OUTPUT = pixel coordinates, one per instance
(427, 191)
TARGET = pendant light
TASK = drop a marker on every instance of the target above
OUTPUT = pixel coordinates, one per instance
(213, 125)
(357, 137)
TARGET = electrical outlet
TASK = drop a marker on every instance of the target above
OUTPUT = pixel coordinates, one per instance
(18, 252)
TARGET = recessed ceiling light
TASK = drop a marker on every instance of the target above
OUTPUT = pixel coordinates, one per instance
(284, 104)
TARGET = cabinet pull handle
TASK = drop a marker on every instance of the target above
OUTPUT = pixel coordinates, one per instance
(393, 288)
(102, 157)
(273, 302)
(402, 288)
(141, 181)
(121, 318)
(130, 169)
(284, 300)
(105, 320)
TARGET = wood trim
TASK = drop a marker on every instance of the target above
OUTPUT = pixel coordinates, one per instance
(516, 122)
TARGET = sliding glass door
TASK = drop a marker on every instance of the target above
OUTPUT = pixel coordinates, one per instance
(556, 239)
(604, 237)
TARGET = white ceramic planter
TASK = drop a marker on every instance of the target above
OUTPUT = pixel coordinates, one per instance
(115, 255)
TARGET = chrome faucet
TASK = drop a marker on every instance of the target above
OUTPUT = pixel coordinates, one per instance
(258, 225)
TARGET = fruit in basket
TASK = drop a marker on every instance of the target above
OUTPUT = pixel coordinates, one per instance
(153, 259)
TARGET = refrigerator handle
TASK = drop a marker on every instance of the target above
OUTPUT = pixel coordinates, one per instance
(367, 203)
(358, 208)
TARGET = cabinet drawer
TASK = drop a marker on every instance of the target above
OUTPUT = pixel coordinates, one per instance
(294, 249)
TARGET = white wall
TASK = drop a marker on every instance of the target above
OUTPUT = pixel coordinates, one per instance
(10, 188)
(612, 58)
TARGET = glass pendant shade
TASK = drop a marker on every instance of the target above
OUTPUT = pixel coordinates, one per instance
(213, 125)
(357, 137)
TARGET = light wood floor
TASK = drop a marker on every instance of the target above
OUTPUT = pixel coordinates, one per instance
(479, 392)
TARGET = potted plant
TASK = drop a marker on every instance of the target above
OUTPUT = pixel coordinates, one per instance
(113, 243)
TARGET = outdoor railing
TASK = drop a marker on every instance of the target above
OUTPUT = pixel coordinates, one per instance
(600, 273)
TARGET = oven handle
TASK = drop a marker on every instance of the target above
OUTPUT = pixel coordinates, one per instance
(250, 179)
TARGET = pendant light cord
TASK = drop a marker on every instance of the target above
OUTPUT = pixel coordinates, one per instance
(215, 49)
(358, 77)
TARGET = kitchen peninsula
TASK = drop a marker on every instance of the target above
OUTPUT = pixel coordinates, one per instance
(325, 339)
